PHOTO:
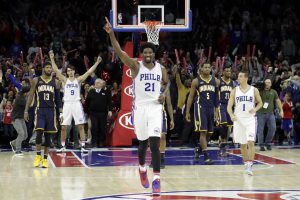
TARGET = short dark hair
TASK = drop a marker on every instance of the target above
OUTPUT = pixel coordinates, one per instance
(205, 63)
(70, 67)
(147, 45)
(228, 66)
(245, 72)
(47, 63)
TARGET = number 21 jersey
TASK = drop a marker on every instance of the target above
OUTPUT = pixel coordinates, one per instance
(147, 84)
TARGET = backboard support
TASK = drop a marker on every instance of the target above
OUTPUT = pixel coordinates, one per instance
(128, 16)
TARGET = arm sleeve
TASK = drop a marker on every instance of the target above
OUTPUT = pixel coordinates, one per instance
(15, 82)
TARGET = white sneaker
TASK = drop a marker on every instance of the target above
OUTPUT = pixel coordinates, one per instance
(248, 166)
(88, 141)
(61, 150)
(83, 150)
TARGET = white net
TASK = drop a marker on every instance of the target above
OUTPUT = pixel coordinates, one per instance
(152, 30)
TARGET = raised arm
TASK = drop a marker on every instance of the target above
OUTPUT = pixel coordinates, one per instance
(30, 98)
(90, 71)
(55, 68)
(190, 99)
(131, 63)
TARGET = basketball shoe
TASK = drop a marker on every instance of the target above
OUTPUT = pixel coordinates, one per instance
(144, 178)
(37, 160)
(248, 167)
(61, 150)
(83, 150)
(156, 187)
(196, 154)
(45, 163)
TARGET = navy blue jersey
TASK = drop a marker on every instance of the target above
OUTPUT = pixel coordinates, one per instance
(224, 90)
(207, 92)
(45, 93)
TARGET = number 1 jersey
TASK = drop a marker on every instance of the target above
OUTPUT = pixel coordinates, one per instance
(244, 102)
(147, 84)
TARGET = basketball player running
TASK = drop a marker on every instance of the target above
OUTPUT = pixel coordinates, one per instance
(47, 96)
(72, 107)
(149, 79)
(226, 85)
(205, 109)
(244, 97)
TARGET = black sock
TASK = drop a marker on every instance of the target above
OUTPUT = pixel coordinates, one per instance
(162, 156)
(205, 154)
(45, 156)
(38, 153)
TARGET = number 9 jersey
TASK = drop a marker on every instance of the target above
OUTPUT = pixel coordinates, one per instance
(71, 91)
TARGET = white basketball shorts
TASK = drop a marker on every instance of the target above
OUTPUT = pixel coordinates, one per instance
(147, 121)
(244, 130)
(73, 110)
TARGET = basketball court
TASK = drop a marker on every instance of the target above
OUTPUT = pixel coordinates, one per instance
(113, 174)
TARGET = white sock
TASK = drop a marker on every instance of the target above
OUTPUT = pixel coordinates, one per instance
(63, 143)
(156, 176)
(143, 168)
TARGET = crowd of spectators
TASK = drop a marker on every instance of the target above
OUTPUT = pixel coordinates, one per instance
(74, 31)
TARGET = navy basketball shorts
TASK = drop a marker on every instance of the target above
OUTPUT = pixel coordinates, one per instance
(45, 120)
(204, 118)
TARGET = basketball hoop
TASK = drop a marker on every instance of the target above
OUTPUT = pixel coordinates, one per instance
(152, 30)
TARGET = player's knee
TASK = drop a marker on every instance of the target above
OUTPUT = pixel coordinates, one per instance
(154, 144)
(80, 127)
(163, 137)
(39, 136)
(47, 139)
(63, 128)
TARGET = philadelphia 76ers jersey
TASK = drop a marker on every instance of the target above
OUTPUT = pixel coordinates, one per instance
(147, 84)
(71, 91)
(244, 102)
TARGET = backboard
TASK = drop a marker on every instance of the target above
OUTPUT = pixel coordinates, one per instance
(128, 15)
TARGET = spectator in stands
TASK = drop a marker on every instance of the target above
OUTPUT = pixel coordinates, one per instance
(7, 118)
(18, 119)
(265, 115)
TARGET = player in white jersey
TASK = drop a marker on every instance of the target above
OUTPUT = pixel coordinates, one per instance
(72, 107)
(247, 102)
(149, 81)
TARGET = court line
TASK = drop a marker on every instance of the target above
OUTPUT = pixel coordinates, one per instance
(83, 163)
(51, 161)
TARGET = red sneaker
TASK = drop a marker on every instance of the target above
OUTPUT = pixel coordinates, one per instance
(144, 178)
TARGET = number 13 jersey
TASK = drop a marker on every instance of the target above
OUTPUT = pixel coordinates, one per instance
(71, 91)
(45, 93)
(147, 84)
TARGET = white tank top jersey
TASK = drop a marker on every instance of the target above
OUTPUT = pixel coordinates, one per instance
(71, 91)
(147, 84)
(244, 102)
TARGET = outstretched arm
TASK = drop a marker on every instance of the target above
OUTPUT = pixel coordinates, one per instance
(90, 71)
(131, 63)
(55, 68)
